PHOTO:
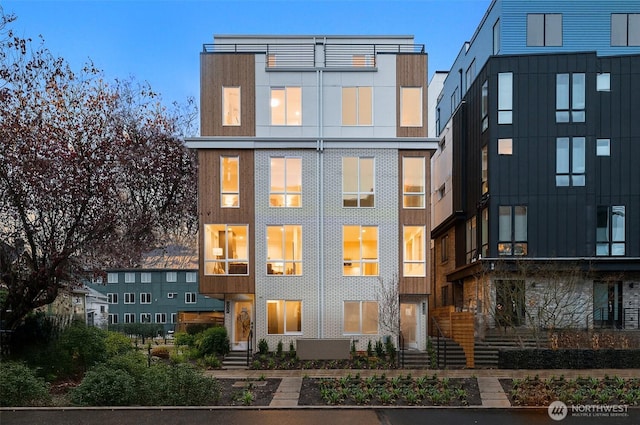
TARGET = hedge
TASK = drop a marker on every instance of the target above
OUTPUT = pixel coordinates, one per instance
(534, 358)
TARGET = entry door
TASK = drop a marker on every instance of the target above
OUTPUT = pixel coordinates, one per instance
(607, 304)
(243, 317)
(409, 324)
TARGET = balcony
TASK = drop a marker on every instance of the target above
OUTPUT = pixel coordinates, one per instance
(312, 56)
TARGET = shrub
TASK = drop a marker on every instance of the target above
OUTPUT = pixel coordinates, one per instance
(211, 361)
(78, 349)
(263, 346)
(390, 349)
(213, 341)
(20, 386)
(117, 344)
(379, 347)
(182, 338)
(279, 348)
(196, 328)
(160, 352)
(105, 386)
(186, 386)
(369, 349)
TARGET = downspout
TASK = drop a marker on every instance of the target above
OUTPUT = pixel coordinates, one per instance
(320, 198)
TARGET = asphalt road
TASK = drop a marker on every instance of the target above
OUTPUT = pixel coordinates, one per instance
(325, 416)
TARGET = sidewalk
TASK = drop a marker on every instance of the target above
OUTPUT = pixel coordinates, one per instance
(491, 392)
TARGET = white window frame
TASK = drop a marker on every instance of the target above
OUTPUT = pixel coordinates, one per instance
(174, 317)
(129, 318)
(286, 193)
(129, 277)
(287, 106)
(190, 298)
(362, 262)
(191, 277)
(112, 298)
(145, 318)
(161, 318)
(286, 332)
(423, 249)
(285, 263)
(172, 277)
(407, 195)
(113, 318)
(360, 330)
(129, 298)
(112, 278)
(229, 195)
(145, 297)
(145, 277)
(358, 193)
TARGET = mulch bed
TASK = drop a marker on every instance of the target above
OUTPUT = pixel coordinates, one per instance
(233, 390)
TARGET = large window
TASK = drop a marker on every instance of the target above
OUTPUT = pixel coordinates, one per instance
(485, 106)
(286, 182)
(625, 29)
(226, 249)
(229, 181)
(361, 317)
(485, 169)
(570, 97)
(413, 182)
(544, 29)
(358, 178)
(129, 298)
(231, 106)
(505, 98)
(471, 240)
(360, 250)
(570, 161)
(357, 105)
(284, 250)
(284, 317)
(286, 106)
(611, 230)
(512, 230)
(414, 251)
(410, 106)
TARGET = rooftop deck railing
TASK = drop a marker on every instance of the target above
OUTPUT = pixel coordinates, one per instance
(287, 56)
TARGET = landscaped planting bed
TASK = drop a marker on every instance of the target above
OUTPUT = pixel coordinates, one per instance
(533, 391)
(379, 390)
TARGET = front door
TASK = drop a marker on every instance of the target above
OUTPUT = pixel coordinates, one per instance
(607, 304)
(409, 324)
(242, 320)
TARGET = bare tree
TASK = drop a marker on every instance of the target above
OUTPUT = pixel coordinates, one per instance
(388, 297)
(91, 175)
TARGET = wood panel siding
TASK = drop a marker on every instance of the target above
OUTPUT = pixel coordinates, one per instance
(411, 71)
(210, 212)
(414, 217)
(227, 70)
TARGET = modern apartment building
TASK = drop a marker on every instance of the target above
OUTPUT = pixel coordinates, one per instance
(168, 297)
(536, 193)
(314, 167)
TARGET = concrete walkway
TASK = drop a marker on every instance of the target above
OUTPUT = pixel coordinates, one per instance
(491, 392)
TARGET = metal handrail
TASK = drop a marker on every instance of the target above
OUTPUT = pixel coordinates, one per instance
(250, 345)
(401, 349)
(439, 333)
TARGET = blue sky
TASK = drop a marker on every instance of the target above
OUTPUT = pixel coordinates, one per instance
(160, 41)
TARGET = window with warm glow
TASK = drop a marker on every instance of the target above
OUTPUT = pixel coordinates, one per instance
(286, 106)
(358, 177)
(410, 106)
(357, 105)
(229, 181)
(360, 250)
(284, 317)
(361, 317)
(414, 251)
(284, 250)
(231, 106)
(226, 249)
(413, 182)
(286, 182)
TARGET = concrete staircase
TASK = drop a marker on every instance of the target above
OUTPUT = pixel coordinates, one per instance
(235, 360)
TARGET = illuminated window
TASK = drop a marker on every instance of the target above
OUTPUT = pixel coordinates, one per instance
(226, 249)
(356, 106)
(358, 178)
(512, 230)
(229, 181)
(284, 250)
(286, 182)
(413, 182)
(230, 106)
(505, 146)
(485, 170)
(414, 251)
(284, 317)
(410, 106)
(360, 317)
(286, 106)
(360, 250)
